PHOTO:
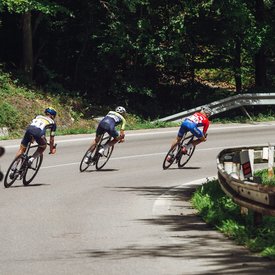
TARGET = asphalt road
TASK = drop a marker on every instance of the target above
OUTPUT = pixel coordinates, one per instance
(130, 218)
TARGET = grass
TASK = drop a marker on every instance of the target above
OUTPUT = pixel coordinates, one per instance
(222, 213)
(261, 117)
(265, 179)
(19, 105)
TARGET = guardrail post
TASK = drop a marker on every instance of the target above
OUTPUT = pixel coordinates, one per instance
(245, 111)
(270, 161)
(257, 219)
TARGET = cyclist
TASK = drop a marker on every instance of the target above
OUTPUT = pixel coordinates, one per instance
(108, 124)
(191, 123)
(37, 131)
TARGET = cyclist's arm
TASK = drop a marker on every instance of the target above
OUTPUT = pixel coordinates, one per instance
(122, 127)
(205, 128)
(122, 123)
(52, 134)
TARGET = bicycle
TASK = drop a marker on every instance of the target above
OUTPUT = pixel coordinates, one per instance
(21, 170)
(179, 157)
(95, 158)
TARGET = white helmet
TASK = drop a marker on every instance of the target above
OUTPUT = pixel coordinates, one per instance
(120, 110)
(207, 110)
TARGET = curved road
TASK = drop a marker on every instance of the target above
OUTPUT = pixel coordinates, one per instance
(130, 218)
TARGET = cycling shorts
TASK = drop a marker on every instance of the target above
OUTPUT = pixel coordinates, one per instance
(189, 126)
(107, 125)
(37, 134)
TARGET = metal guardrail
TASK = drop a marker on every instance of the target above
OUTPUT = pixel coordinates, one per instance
(247, 193)
(219, 106)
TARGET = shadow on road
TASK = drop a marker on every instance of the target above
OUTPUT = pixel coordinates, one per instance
(101, 170)
(30, 185)
(187, 238)
(184, 167)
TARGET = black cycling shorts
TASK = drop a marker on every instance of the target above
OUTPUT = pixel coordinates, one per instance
(107, 125)
(36, 133)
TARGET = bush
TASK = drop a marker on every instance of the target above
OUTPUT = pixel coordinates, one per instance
(9, 116)
(265, 180)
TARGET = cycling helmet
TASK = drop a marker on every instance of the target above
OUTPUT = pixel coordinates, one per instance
(51, 111)
(120, 110)
(207, 110)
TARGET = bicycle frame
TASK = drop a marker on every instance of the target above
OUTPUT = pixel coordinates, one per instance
(176, 151)
(94, 157)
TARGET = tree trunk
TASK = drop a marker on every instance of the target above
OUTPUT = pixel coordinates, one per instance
(237, 66)
(260, 58)
(27, 46)
(260, 68)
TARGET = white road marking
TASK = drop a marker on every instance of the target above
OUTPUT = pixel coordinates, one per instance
(212, 128)
(163, 205)
(141, 156)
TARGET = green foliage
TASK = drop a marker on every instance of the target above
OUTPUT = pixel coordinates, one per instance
(9, 116)
(44, 6)
(134, 122)
(269, 252)
(234, 230)
(265, 180)
(114, 51)
(221, 212)
(212, 204)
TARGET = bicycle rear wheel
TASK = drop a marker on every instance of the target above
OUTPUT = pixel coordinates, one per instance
(168, 161)
(32, 170)
(14, 171)
(184, 158)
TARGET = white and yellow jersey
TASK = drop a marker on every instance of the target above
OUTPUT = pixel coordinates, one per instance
(118, 118)
(44, 123)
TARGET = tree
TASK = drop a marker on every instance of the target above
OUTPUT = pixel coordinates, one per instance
(26, 9)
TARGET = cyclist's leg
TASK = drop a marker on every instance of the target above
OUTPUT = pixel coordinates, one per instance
(42, 145)
(111, 130)
(198, 134)
(99, 131)
(21, 150)
(39, 136)
(23, 146)
(115, 135)
(181, 132)
(177, 140)
(24, 143)
(110, 143)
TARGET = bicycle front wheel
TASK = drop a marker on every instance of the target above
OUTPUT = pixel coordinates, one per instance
(32, 170)
(14, 171)
(185, 157)
(170, 157)
(102, 160)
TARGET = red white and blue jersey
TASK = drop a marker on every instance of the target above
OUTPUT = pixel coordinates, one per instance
(200, 120)
(192, 123)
